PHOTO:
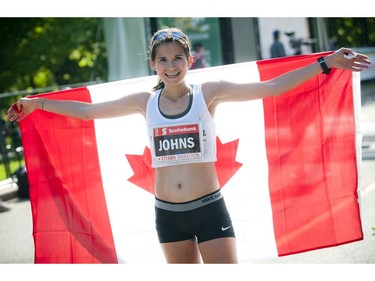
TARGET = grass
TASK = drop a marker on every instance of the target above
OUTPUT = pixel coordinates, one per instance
(14, 165)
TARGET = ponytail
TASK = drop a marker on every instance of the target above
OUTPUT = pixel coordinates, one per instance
(160, 85)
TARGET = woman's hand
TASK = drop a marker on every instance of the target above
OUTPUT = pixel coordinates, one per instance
(345, 58)
(23, 107)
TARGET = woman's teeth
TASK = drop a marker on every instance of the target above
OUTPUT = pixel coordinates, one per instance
(171, 75)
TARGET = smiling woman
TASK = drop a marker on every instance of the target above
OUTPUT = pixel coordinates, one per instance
(179, 45)
(192, 220)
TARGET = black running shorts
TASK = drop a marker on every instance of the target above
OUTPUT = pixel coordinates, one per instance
(205, 218)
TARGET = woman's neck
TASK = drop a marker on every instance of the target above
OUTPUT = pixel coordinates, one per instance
(175, 93)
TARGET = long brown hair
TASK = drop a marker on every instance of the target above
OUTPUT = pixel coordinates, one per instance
(169, 34)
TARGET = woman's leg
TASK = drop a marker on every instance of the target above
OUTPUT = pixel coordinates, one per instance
(181, 252)
(221, 250)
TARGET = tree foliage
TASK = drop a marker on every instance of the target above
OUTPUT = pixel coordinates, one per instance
(44, 52)
(352, 32)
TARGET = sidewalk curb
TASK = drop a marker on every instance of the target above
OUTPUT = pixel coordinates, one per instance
(8, 189)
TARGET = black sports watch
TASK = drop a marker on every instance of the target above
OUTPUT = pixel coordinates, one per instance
(324, 66)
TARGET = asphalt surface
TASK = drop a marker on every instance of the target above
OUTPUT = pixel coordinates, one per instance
(16, 243)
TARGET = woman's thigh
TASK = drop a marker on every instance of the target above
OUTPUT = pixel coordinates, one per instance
(181, 252)
(221, 250)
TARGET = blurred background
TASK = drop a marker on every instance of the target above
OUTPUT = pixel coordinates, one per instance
(48, 54)
(40, 55)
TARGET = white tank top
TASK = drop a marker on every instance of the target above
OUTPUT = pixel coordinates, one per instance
(189, 137)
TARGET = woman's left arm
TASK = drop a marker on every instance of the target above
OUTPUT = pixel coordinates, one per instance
(343, 59)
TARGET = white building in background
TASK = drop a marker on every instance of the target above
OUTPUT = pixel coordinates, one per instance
(298, 28)
(126, 47)
(226, 40)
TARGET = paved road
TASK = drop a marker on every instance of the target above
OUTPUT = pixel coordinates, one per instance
(16, 244)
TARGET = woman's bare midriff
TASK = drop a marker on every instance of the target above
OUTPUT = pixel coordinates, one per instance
(186, 182)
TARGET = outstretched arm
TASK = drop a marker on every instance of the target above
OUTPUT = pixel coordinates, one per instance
(221, 91)
(135, 103)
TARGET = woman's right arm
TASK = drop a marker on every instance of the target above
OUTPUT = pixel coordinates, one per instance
(130, 104)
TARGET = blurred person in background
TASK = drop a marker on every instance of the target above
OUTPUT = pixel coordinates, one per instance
(277, 48)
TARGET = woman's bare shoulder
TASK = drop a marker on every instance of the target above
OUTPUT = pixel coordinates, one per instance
(140, 99)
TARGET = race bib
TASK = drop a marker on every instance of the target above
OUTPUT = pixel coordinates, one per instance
(177, 143)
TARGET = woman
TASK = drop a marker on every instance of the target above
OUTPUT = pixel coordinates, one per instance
(192, 221)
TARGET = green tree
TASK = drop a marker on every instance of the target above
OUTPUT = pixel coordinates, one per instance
(49, 52)
(352, 32)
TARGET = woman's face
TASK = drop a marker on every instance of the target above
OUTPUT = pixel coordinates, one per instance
(171, 64)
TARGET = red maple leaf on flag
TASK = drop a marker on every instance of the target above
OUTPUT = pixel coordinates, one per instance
(226, 165)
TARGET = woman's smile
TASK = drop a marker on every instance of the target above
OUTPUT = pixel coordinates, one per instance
(172, 75)
(171, 63)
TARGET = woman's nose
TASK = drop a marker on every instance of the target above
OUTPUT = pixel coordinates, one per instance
(171, 64)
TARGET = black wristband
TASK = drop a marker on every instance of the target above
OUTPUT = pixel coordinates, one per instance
(324, 66)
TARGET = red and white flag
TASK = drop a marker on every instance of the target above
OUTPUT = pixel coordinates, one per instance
(288, 168)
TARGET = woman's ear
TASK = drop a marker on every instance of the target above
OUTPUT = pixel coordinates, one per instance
(152, 65)
(190, 61)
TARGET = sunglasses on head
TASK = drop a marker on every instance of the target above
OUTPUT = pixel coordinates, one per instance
(164, 34)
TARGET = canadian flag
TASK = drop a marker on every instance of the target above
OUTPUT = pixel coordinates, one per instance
(288, 167)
